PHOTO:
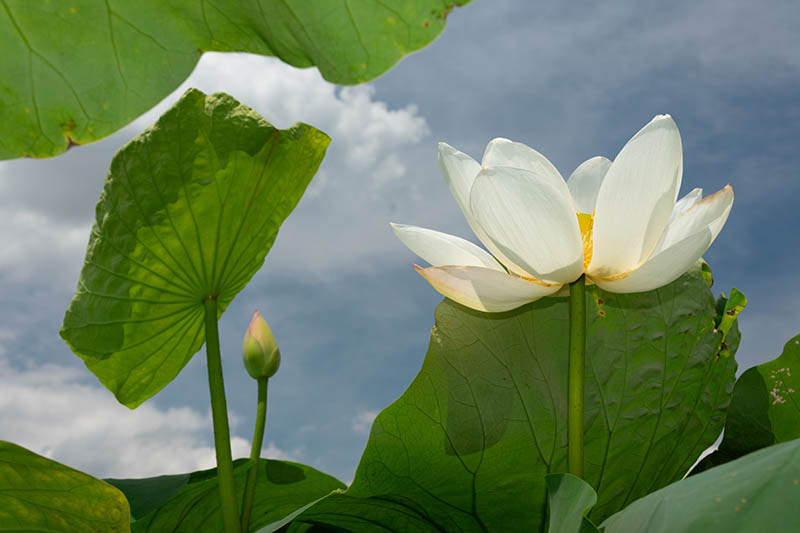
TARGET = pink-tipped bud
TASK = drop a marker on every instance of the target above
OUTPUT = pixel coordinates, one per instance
(259, 349)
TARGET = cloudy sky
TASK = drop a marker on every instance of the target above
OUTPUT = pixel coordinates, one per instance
(351, 316)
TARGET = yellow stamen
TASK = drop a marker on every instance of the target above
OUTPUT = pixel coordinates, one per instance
(585, 222)
(538, 282)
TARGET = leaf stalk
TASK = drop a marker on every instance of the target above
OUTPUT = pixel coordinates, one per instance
(219, 415)
(577, 362)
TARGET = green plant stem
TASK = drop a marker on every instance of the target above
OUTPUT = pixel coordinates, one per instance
(577, 356)
(255, 453)
(219, 415)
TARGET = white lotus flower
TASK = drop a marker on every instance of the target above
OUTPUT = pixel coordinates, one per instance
(618, 222)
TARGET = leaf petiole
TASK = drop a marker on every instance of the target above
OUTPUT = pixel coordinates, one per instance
(219, 415)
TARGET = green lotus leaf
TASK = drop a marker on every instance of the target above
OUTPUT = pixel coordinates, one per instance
(281, 488)
(74, 72)
(469, 444)
(146, 494)
(764, 410)
(756, 492)
(38, 494)
(189, 210)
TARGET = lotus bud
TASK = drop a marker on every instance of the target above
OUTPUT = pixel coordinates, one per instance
(259, 350)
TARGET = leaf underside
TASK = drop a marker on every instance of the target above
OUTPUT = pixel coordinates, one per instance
(75, 72)
(468, 445)
(189, 210)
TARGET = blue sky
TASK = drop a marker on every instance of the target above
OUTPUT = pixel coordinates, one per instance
(351, 316)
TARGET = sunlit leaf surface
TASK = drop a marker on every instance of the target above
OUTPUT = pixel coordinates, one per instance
(757, 492)
(468, 445)
(72, 72)
(38, 494)
(189, 210)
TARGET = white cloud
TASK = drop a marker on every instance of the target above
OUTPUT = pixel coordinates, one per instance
(341, 224)
(47, 209)
(51, 411)
(362, 422)
(364, 130)
(342, 220)
(39, 249)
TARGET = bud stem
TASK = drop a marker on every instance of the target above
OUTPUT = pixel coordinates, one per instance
(219, 415)
(255, 453)
(577, 357)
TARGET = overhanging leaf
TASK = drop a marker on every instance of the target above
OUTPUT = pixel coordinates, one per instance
(189, 211)
(757, 492)
(37, 494)
(469, 443)
(281, 488)
(75, 72)
(764, 410)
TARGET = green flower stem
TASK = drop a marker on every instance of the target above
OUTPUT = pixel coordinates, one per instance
(577, 355)
(219, 414)
(255, 453)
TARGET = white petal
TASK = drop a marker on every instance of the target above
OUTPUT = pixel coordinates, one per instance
(459, 171)
(484, 289)
(636, 198)
(505, 153)
(439, 248)
(710, 212)
(691, 198)
(686, 239)
(663, 267)
(563, 292)
(584, 183)
(530, 222)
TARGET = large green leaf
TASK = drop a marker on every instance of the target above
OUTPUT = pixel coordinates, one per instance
(37, 494)
(189, 211)
(74, 72)
(757, 492)
(146, 494)
(281, 488)
(468, 445)
(764, 410)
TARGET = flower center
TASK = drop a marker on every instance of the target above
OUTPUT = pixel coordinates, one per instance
(585, 222)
